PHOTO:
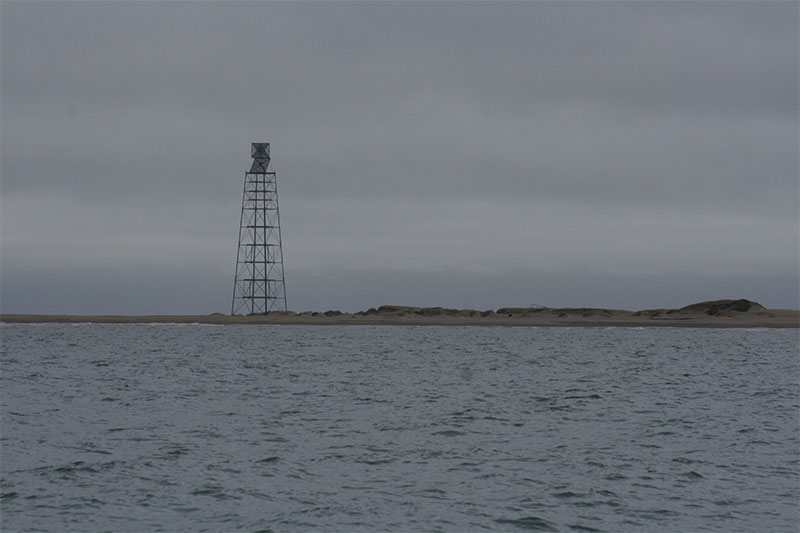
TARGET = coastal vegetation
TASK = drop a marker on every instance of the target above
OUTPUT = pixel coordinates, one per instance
(716, 313)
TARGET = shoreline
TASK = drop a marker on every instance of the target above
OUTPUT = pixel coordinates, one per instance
(717, 314)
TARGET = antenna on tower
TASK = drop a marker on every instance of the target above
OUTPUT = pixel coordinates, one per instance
(258, 285)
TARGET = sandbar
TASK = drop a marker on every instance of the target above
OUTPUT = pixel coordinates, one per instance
(713, 314)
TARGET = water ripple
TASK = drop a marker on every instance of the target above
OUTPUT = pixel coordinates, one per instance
(274, 428)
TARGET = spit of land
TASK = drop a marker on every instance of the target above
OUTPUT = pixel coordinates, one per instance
(712, 314)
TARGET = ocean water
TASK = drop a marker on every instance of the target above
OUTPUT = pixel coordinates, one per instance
(362, 428)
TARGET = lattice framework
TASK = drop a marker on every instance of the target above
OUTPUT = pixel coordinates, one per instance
(259, 286)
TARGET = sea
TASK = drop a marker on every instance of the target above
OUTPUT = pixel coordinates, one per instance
(219, 428)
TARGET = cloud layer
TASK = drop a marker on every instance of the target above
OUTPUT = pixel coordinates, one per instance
(501, 150)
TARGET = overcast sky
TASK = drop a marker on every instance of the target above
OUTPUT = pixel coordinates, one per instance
(629, 155)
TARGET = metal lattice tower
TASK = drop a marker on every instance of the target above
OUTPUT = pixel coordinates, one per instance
(258, 287)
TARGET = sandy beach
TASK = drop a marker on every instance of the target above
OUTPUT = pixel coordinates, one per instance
(713, 314)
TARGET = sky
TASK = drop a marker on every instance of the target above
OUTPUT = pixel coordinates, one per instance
(477, 155)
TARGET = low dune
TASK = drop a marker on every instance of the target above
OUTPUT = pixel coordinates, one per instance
(712, 314)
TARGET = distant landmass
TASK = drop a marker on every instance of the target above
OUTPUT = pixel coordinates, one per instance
(740, 313)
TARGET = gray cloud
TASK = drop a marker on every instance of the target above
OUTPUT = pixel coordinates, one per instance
(652, 141)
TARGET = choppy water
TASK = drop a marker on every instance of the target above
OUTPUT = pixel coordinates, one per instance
(218, 428)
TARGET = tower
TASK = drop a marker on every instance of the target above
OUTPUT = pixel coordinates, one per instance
(258, 286)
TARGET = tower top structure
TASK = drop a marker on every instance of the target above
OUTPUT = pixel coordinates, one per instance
(260, 155)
